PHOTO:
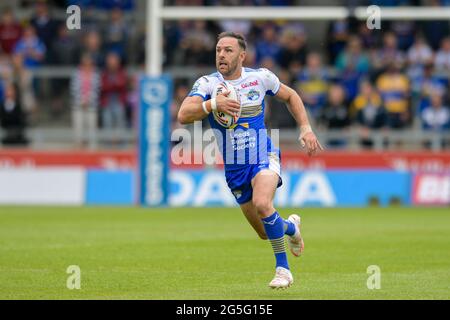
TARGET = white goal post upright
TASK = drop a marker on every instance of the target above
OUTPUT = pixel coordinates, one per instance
(154, 36)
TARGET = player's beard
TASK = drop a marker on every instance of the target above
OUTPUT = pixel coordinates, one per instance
(232, 66)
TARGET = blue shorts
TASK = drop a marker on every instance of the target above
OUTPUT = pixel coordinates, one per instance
(240, 181)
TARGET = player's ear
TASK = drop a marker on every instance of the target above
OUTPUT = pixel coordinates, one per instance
(242, 55)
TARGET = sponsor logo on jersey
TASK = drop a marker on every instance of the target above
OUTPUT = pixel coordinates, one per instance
(249, 84)
(253, 95)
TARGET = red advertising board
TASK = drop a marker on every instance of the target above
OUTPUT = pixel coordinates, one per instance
(431, 189)
(87, 159)
(403, 161)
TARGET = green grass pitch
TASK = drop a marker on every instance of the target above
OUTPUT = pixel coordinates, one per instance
(212, 253)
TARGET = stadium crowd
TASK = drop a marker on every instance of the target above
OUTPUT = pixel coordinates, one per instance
(396, 77)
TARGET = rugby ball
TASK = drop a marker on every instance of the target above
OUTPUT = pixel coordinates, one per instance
(224, 119)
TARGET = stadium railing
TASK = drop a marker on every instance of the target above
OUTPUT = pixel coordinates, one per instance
(406, 139)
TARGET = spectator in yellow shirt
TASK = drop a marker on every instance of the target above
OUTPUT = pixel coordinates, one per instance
(368, 111)
(394, 88)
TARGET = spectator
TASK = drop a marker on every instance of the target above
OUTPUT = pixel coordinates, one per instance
(44, 25)
(420, 53)
(10, 31)
(85, 85)
(268, 45)
(90, 21)
(436, 116)
(197, 54)
(442, 59)
(133, 98)
(387, 54)
(349, 79)
(431, 82)
(404, 31)
(24, 80)
(292, 54)
(276, 113)
(368, 107)
(5, 67)
(312, 83)
(5, 72)
(113, 96)
(425, 84)
(394, 88)
(335, 114)
(369, 112)
(353, 57)
(92, 46)
(181, 30)
(368, 37)
(352, 64)
(12, 117)
(64, 48)
(172, 37)
(116, 33)
(198, 46)
(64, 52)
(31, 48)
(338, 34)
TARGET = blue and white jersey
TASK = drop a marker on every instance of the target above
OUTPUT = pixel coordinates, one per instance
(246, 142)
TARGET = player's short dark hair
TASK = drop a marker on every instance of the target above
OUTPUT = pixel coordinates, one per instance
(240, 38)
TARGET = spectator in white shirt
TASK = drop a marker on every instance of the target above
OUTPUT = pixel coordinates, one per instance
(442, 59)
(436, 116)
(420, 52)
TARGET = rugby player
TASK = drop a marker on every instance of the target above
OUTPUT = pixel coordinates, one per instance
(253, 181)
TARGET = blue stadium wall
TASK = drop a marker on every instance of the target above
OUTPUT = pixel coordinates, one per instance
(355, 188)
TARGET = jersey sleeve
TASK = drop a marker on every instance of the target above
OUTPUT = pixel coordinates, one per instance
(270, 81)
(201, 88)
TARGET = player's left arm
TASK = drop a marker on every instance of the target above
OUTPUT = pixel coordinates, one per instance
(297, 109)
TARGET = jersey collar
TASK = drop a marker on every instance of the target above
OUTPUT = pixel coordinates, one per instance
(243, 75)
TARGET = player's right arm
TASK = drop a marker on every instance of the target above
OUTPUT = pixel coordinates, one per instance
(192, 108)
